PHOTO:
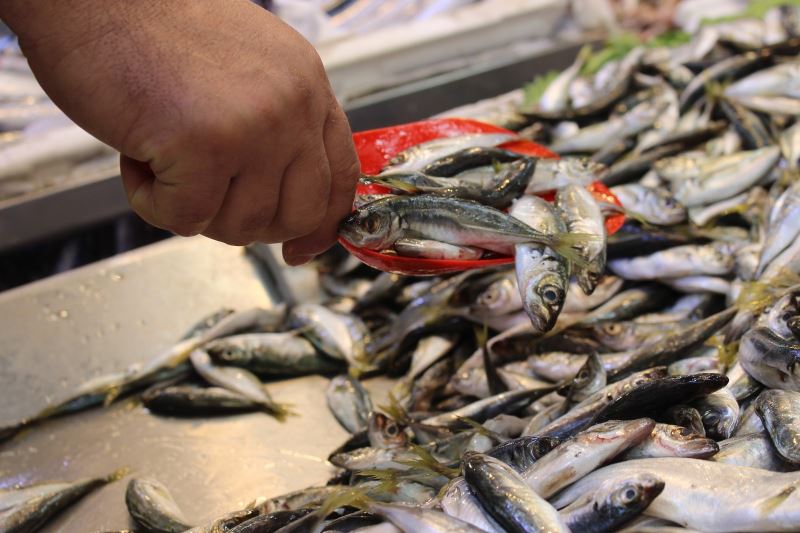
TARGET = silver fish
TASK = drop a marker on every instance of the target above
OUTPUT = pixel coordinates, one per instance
(613, 504)
(753, 449)
(779, 410)
(581, 454)
(655, 205)
(708, 496)
(770, 359)
(431, 249)
(152, 506)
(583, 216)
(783, 227)
(551, 174)
(459, 501)
(507, 498)
(578, 301)
(780, 80)
(377, 226)
(237, 380)
(556, 97)
(667, 440)
(349, 402)
(340, 336)
(542, 275)
(417, 157)
(690, 260)
(418, 520)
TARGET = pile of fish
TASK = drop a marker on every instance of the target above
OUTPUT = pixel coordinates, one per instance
(39, 146)
(642, 381)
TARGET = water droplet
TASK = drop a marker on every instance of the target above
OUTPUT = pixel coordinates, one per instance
(63, 313)
(115, 276)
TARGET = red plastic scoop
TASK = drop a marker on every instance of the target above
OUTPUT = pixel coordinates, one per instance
(376, 147)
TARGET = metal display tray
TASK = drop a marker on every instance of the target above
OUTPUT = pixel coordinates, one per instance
(57, 333)
(70, 208)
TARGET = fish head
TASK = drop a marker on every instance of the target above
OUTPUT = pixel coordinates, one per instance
(582, 166)
(385, 432)
(637, 492)
(669, 210)
(543, 296)
(496, 298)
(618, 433)
(614, 334)
(589, 276)
(685, 442)
(371, 227)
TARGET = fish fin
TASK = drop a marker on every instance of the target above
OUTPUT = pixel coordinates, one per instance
(481, 429)
(279, 410)
(395, 410)
(427, 462)
(756, 296)
(117, 474)
(396, 184)
(767, 505)
(565, 245)
(347, 497)
(727, 353)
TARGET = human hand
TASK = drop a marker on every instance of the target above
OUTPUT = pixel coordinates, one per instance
(223, 114)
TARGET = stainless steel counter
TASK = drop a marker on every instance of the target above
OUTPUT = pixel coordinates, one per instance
(56, 333)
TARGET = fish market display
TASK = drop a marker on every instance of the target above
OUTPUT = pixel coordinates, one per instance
(634, 379)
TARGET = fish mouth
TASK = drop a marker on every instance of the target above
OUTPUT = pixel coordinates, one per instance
(699, 448)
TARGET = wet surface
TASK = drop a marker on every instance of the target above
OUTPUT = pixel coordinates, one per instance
(57, 333)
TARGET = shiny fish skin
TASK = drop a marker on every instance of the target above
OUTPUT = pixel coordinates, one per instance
(708, 496)
(459, 501)
(583, 216)
(431, 249)
(419, 156)
(192, 400)
(338, 335)
(655, 205)
(28, 508)
(720, 412)
(349, 402)
(581, 454)
(507, 498)
(613, 504)
(752, 449)
(377, 226)
(286, 354)
(689, 260)
(418, 520)
(673, 441)
(770, 359)
(779, 410)
(152, 507)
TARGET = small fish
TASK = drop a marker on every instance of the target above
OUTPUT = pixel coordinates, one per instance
(418, 520)
(690, 260)
(578, 301)
(338, 335)
(582, 453)
(384, 432)
(192, 400)
(589, 379)
(720, 412)
(237, 380)
(28, 508)
(770, 359)
(673, 441)
(552, 174)
(459, 501)
(271, 354)
(380, 224)
(505, 402)
(556, 97)
(521, 453)
(783, 226)
(225, 523)
(687, 417)
(151, 505)
(421, 155)
(654, 205)
(269, 522)
(430, 249)
(457, 163)
(542, 275)
(779, 410)
(349, 402)
(613, 504)
(754, 450)
(583, 216)
(507, 498)
(499, 297)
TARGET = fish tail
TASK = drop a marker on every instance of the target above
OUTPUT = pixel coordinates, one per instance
(396, 183)
(568, 246)
(117, 474)
(425, 461)
(395, 410)
(349, 496)
(281, 411)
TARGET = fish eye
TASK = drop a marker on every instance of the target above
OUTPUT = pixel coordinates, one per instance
(629, 495)
(391, 430)
(550, 295)
(372, 223)
(613, 328)
(583, 375)
(786, 316)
